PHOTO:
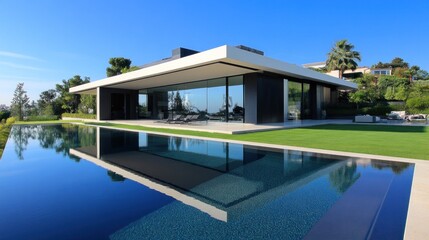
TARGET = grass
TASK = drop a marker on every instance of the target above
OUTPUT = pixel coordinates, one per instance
(45, 122)
(4, 134)
(396, 141)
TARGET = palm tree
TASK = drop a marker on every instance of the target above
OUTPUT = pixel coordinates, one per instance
(342, 57)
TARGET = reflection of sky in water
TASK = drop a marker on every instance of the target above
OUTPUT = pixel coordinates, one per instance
(52, 195)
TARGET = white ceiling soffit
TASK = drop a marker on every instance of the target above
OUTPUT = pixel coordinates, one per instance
(209, 71)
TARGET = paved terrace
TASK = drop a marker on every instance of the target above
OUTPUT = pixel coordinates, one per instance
(228, 127)
(237, 128)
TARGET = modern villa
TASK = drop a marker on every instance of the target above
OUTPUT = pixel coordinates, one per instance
(226, 84)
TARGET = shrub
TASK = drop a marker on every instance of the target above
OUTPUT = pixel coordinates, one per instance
(79, 115)
(418, 104)
(377, 110)
(341, 110)
(42, 118)
(10, 121)
(397, 107)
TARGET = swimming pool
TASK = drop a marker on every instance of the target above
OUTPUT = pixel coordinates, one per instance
(81, 182)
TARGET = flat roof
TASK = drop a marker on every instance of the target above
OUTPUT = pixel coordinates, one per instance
(214, 63)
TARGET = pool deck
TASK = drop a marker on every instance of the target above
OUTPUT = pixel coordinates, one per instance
(418, 212)
(229, 127)
(238, 128)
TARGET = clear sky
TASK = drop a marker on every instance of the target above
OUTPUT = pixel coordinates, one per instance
(43, 42)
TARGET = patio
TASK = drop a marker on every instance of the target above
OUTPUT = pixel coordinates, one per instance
(229, 127)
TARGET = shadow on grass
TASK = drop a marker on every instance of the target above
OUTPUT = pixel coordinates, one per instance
(375, 128)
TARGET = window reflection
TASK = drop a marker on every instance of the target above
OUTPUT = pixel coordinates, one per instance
(211, 100)
(294, 100)
(235, 92)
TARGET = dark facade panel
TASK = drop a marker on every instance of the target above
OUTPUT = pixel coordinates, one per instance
(118, 104)
(270, 100)
(250, 82)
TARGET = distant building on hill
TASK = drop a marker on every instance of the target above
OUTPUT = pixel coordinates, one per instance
(350, 74)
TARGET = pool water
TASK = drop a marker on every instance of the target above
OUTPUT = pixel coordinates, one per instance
(80, 182)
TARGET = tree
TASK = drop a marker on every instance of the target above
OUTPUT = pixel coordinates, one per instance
(46, 102)
(132, 68)
(421, 75)
(398, 62)
(4, 112)
(19, 102)
(342, 57)
(418, 105)
(117, 64)
(381, 65)
(393, 87)
(367, 92)
(70, 102)
(411, 72)
(321, 70)
(419, 89)
(87, 104)
(178, 105)
(32, 109)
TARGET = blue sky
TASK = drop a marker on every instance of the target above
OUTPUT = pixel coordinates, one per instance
(43, 42)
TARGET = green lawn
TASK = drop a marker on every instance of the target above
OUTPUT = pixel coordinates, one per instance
(4, 134)
(45, 122)
(397, 141)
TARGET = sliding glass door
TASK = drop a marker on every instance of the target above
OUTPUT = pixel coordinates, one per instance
(298, 101)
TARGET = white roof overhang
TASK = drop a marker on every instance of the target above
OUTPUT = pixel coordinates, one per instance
(214, 63)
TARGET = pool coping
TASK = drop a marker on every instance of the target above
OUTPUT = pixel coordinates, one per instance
(418, 207)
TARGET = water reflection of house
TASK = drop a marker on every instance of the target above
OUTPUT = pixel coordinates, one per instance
(221, 179)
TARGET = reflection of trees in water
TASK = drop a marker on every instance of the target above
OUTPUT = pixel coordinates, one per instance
(344, 177)
(20, 136)
(58, 137)
(115, 177)
(396, 167)
(174, 143)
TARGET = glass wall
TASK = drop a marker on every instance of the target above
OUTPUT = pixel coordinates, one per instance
(235, 99)
(294, 100)
(306, 102)
(299, 101)
(216, 104)
(143, 111)
(209, 100)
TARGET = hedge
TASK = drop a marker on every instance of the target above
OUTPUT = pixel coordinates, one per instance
(42, 118)
(79, 115)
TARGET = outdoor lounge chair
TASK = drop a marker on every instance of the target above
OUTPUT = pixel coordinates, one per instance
(170, 116)
(176, 119)
(191, 118)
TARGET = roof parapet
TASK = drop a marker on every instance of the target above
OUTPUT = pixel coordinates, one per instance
(249, 49)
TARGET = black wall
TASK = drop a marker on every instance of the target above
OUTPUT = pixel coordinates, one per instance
(263, 98)
(270, 99)
(250, 82)
(129, 97)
